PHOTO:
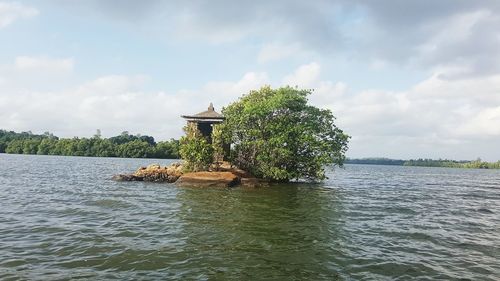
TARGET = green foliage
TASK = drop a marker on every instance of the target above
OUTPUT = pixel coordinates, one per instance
(476, 164)
(135, 149)
(276, 135)
(3, 146)
(375, 161)
(46, 146)
(195, 150)
(218, 143)
(124, 145)
(167, 149)
(15, 146)
(125, 137)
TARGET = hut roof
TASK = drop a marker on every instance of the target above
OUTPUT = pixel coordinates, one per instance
(208, 115)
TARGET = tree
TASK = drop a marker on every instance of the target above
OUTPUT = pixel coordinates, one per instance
(123, 145)
(15, 147)
(167, 149)
(46, 146)
(3, 146)
(276, 135)
(135, 149)
(97, 134)
(195, 150)
(103, 148)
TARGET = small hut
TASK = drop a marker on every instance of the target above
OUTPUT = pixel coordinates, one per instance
(205, 121)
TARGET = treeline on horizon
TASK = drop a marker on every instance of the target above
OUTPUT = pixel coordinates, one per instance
(124, 145)
(475, 164)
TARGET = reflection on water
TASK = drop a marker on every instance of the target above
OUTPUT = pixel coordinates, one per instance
(274, 233)
(62, 217)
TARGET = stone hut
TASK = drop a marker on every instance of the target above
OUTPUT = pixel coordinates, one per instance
(205, 121)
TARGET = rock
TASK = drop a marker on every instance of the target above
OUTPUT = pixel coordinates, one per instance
(240, 173)
(153, 167)
(227, 167)
(226, 175)
(208, 179)
(126, 178)
(153, 173)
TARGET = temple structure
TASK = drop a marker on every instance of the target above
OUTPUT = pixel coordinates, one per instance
(205, 121)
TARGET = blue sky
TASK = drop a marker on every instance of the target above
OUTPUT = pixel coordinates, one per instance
(405, 78)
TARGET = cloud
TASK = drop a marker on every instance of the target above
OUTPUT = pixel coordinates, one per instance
(275, 51)
(116, 103)
(43, 64)
(36, 73)
(303, 76)
(435, 118)
(223, 21)
(468, 43)
(11, 11)
(484, 123)
(426, 34)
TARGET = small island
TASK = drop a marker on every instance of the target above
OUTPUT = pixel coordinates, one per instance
(269, 135)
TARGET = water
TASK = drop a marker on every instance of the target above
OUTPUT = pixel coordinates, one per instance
(63, 218)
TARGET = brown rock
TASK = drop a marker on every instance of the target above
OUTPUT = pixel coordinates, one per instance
(154, 173)
(227, 167)
(240, 173)
(153, 167)
(208, 179)
(126, 178)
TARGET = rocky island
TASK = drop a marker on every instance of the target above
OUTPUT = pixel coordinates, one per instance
(268, 135)
(220, 175)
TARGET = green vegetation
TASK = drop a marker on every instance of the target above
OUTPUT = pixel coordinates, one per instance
(476, 164)
(123, 145)
(276, 135)
(195, 150)
(375, 161)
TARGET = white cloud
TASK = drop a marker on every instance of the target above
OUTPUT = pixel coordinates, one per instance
(275, 51)
(114, 84)
(116, 103)
(36, 73)
(485, 123)
(435, 118)
(463, 44)
(424, 34)
(43, 64)
(249, 81)
(11, 11)
(304, 76)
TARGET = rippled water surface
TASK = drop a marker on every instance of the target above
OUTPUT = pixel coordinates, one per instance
(63, 218)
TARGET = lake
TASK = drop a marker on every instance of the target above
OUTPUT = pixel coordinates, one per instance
(63, 218)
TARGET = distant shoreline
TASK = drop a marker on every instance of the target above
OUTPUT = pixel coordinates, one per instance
(127, 145)
(463, 164)
(124, 145)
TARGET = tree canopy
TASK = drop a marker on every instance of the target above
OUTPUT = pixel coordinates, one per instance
(123, 145)
(275, 134)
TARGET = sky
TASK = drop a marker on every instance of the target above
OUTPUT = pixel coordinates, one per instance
(405, 79)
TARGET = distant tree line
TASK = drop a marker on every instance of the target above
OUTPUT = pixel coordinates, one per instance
(375, 161)
(476, 164)
(124, 145)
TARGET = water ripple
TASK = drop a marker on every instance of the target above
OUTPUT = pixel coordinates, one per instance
(64, 219)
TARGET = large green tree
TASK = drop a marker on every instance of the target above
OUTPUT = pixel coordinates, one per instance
(277, 135)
